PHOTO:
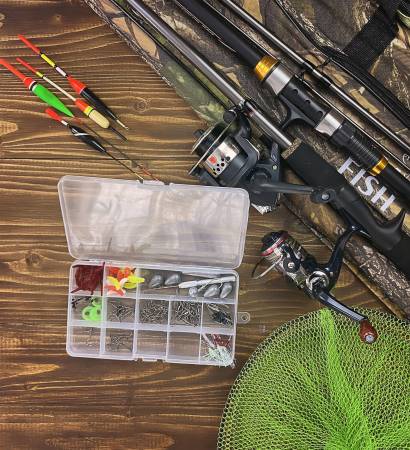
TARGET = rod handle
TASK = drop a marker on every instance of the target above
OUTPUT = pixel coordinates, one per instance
(351, 139)
(215, 22)
(29, 44)
(387, 237)
(398, 183)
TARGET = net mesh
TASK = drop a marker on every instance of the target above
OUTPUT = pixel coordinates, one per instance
(313, 384)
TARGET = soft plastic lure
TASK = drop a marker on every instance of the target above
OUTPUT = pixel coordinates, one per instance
(88, 278)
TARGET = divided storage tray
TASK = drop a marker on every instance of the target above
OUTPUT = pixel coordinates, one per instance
(122, 235)
(163, 323)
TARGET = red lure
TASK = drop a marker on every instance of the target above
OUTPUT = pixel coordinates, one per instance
(119, 273)
(88, 278)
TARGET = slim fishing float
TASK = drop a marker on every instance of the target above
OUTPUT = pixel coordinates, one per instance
(38, 89)
(88, 110)
(124, 155)
(87, 138)
(77, 85)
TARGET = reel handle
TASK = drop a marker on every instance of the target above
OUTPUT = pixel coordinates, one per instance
(367, 332)
(317, 194)
(285, 255)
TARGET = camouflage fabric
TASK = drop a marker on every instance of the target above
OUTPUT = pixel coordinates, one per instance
(381, 276)
(185, 84)
(333, 25)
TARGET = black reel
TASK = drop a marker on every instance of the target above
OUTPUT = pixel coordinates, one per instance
(285, 255)
(228, 157)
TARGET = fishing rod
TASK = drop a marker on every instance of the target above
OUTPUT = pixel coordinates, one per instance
(319, 75)
(266, 173)
(320, 278)
(227, 157)
(301, 157)
(86, 109)
(387, 237)
(345, 63)
(300, 104)
(78, 86)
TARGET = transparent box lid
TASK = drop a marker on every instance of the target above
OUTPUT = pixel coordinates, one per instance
(151, 222)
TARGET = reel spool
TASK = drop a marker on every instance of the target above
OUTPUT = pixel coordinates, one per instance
(227, 157)
(287, 256)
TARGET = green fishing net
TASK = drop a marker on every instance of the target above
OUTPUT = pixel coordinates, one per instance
(313, 384)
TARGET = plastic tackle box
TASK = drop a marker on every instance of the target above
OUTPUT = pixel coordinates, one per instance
(178, 244)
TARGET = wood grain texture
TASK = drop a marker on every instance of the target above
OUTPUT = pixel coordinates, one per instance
(47, 399)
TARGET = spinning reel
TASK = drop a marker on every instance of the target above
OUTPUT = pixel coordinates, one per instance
(228, 157)
(288, 257)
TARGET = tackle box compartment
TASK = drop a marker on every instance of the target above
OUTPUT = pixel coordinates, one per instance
(189, 232)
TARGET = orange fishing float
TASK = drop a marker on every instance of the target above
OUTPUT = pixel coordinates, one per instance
(38, 89)
(78, 86)
(88, 110)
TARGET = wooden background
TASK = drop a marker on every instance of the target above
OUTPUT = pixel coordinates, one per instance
(48, 399)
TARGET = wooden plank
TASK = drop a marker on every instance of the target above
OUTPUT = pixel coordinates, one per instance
(49, 400)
